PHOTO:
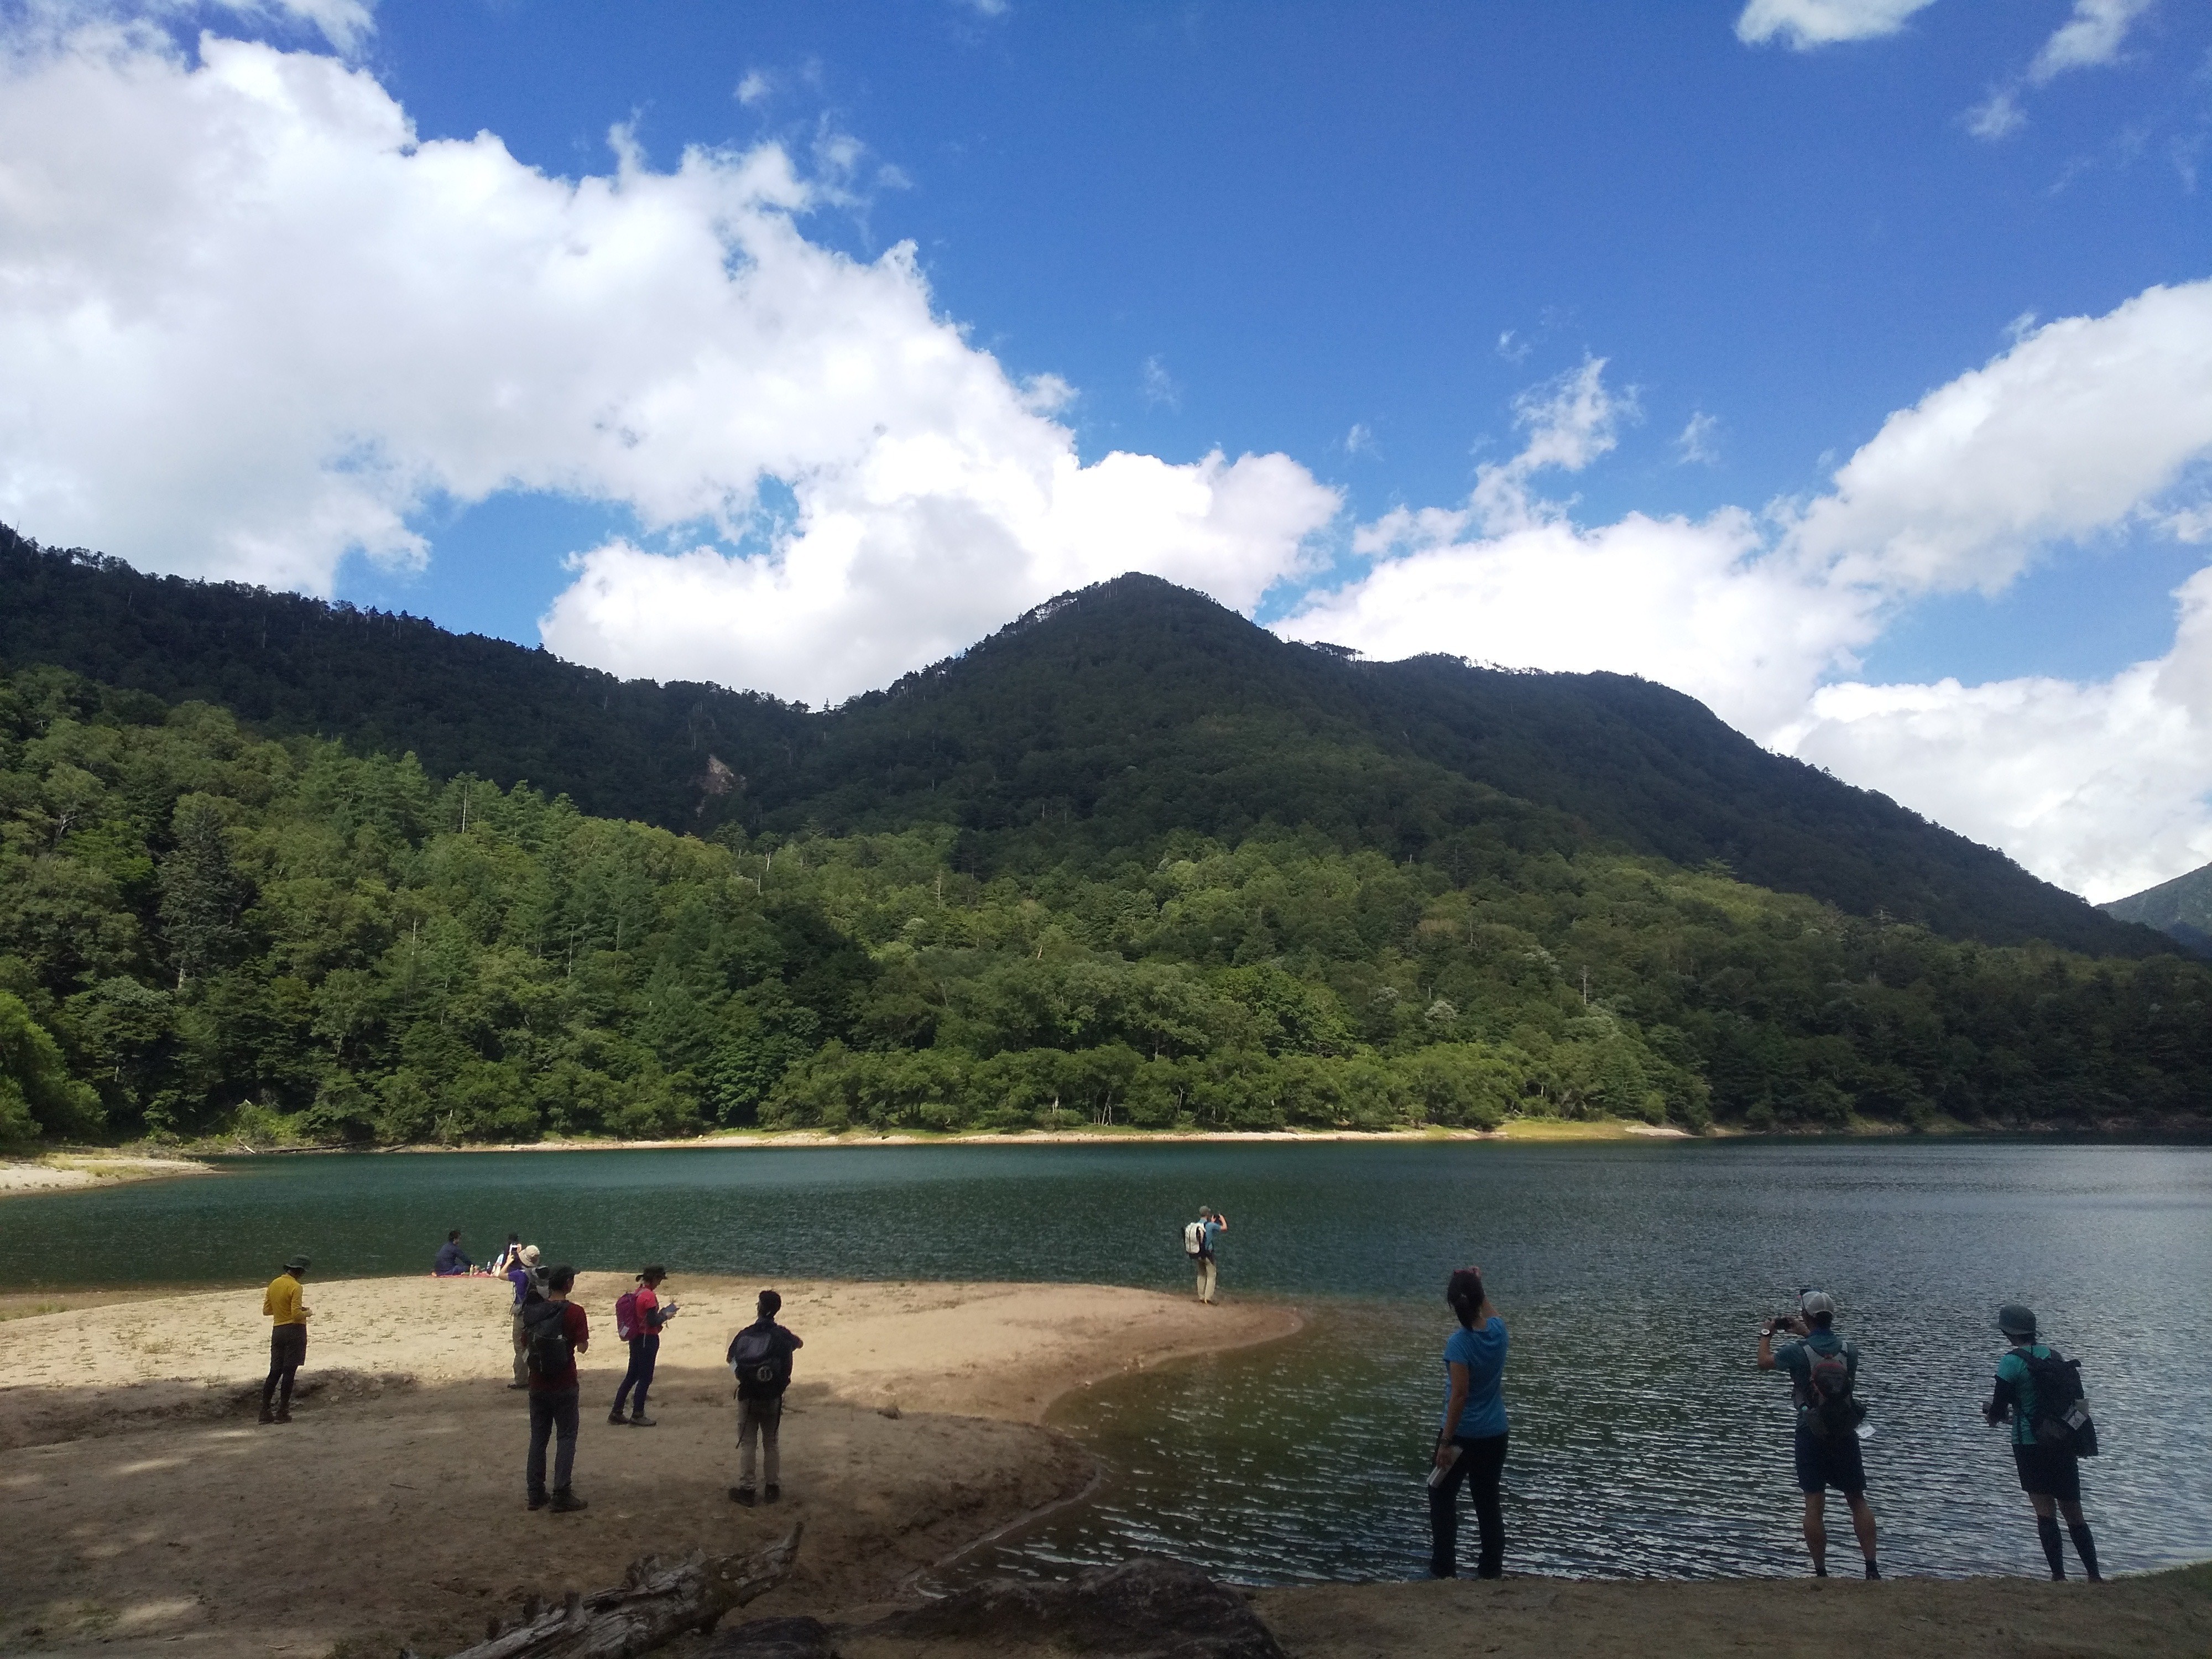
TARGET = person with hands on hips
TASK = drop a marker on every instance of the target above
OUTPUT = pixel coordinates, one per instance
(1471, 1440)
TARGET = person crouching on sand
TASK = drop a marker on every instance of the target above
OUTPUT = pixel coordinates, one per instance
(1471, 1441)
(288, 1338)
(760, 1358)
(558, 1333)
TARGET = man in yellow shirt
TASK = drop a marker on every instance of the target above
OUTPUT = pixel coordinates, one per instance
(288, 1338)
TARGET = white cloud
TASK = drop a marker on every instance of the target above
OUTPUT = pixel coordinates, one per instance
(2098, 786)
(345, 24)
(753, 88)
(1699, 444)
(1805, 24)
(2084, 426)
(2092, 36)
(1158, 385)
(1360, 440)
(1571, 420)
(252, 325)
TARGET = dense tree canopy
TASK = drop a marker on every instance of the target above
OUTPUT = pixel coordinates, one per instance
(201, 928)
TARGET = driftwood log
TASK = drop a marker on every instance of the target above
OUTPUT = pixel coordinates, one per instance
(652, 1605)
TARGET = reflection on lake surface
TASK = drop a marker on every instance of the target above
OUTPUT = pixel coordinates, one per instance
(1632, 1279)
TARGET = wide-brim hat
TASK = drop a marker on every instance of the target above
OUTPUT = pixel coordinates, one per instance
(298, 1264)
(529, 1255)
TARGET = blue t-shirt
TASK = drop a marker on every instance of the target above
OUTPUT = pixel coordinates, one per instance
(1482, 1351)
(1213, 1232)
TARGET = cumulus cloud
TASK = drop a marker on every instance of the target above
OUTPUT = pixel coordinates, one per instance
(253, 326)
(2083, 427)
(1805, 24)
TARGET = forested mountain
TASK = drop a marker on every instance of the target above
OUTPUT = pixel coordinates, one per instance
(201, 929)
(2180, 908)
(1086, 731)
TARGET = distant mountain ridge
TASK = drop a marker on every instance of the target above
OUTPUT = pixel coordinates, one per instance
(1096, 725)
(2180, 908)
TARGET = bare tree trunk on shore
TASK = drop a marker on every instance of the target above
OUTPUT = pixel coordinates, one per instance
(651, 1606)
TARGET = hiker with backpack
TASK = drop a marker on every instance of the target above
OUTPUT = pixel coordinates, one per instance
(760, 1360)
(529, 1281)
(1471, 1440)
(1824, 1371)
(639, 1317)
(287, 1339)
(2039, 1392)
(1197, 1244)
(558, 1333)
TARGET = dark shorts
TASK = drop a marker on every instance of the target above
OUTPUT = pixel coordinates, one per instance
(2049, 1472)
(287, 1346)
(1824, 1463)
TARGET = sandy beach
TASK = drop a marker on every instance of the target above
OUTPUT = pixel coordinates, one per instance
(62, 1171)
(146, 1511)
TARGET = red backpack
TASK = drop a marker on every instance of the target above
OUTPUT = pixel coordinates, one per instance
(626, 1327)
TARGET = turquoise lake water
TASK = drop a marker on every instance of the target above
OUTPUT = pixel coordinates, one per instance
(1632, 1279)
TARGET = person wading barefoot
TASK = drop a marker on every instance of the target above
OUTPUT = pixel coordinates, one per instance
(558, 1333)
(288, 1338)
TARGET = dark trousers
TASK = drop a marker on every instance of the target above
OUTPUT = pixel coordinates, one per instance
(549, 1411)
(1480, 1464)
(288, 1350)
(644, 1355)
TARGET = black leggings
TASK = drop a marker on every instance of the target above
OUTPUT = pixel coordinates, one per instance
(288, 1350)
(644, 1354)
(1480, 1464)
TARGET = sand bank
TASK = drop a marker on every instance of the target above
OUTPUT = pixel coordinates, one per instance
(143, 1509)
(59, 1171)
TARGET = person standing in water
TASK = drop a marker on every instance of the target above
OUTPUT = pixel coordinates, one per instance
(1824, 1371)
(2037, 1389)
(1471, 1439)
(288, 1338)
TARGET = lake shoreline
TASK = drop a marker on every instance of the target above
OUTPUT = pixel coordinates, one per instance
(79, 1170)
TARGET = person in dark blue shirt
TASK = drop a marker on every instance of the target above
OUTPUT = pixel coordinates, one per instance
(1471, 1438)
(453, 1260)
(1825, 1457)
(2051, 1476)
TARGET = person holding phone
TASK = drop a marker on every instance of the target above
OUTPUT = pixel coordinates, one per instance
(1471, 1440)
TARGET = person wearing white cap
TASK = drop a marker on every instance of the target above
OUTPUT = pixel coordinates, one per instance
(1824, 1371)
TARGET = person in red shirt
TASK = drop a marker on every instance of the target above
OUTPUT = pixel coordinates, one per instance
(558, 1332)
(650, 1314)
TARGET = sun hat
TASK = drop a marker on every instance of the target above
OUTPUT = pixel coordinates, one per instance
(529, 1255)
(298, 1264)
(2015, 1319)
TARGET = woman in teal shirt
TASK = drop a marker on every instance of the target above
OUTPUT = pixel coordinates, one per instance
(1471, 1440)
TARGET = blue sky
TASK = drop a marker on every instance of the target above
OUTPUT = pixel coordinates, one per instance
(1725, 344)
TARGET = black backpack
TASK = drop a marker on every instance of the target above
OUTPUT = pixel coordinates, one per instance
(761, 1361)
(2061, 1418)
(545, 1330)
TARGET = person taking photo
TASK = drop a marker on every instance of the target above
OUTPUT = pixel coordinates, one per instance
(1823, 1370)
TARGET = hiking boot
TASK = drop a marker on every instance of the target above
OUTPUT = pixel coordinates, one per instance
(512, 1387)
(539, 1500)
(773, 1494)
(741, 1495)
(641, 1421)
(267, 1415)
(567, 1503)
(618, 1420)
(283, 1414)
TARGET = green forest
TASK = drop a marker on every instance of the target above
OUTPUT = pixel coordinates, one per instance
(204, 931)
